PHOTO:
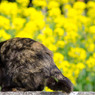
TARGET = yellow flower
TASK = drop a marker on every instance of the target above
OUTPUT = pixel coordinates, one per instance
(40, 23)
(48, 89)
(78, 53)
(18, 23)
(41, 3)
(76, 72)
(59, 31)
(90, 47)
(92, 29)
(79, 5)
(60, 44)
(91, 4)
(47, 41)
(72, 13)
(80, 66)
(4, 35)
(71, 37)
(4, 22)
(47, 31)
(64, 1)
(41, 37)
(90, 12)
(52, 47)
(24, 34)
(85, 20)
(34, 16)
(64, 64)
(23, 3)
(53, 4)
(27, 11)
(94, 54)
(54, 12)
(60, 21)
(9, 9)
(91, 62)
(69, 27)
(30, 27)
(58, 57)
(67, 6)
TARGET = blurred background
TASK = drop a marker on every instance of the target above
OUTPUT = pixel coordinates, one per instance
(66, 27)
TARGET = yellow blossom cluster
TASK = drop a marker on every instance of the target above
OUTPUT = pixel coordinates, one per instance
(77, 53)
(66, 27)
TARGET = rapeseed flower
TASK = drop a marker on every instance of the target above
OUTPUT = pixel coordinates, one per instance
(53, 4)
(18, 23)
(9, 9)
(91, 62)
(54, 12)
(40, 3)
(23, 3)
(78, 53)
(92, 29)
(4, 35)
(59, 31)
(4, 22)
(79, 5)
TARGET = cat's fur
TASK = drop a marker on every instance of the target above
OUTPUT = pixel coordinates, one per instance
(27, 65)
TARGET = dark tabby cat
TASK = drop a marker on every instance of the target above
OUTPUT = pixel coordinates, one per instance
(27, 65)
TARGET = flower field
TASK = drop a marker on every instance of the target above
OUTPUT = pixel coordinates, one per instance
(66, 27)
